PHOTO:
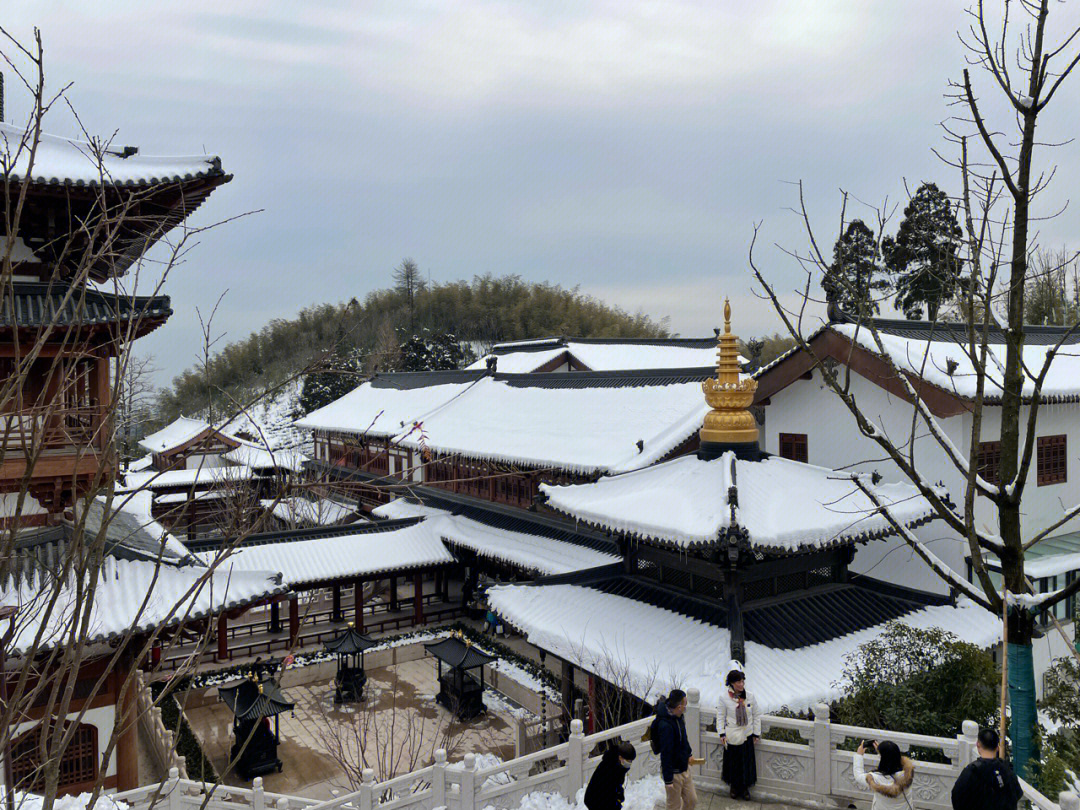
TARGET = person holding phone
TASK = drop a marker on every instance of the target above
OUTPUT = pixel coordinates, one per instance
(738, 720)
(889, 782)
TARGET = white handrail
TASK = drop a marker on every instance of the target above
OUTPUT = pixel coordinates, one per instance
(816, 771)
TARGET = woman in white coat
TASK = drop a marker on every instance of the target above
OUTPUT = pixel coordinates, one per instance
(738, 720)
(890, 781)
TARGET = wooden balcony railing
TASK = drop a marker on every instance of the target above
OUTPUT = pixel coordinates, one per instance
(52, 429)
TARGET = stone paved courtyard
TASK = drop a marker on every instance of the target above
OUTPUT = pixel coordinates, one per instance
(399, 714)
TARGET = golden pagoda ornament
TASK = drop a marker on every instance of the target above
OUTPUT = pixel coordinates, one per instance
(729, 395)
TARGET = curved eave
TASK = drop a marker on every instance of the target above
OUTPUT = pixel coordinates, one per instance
(213, 170)
(316, 582)
(154, 207)
(97, 333)
(742, 538)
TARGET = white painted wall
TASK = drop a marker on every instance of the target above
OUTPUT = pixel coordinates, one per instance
(808, 406)
(833, 440)
(104, 718)
(205, 461)
(9, 502)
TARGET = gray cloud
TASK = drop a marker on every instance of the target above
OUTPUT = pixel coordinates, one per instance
(628, 147)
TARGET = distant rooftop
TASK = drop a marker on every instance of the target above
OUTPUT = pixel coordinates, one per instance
(598, 354)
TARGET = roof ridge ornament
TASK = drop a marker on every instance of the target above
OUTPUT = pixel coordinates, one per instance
(729, 425)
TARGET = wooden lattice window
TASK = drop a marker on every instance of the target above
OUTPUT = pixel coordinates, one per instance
(793, 446)
(989, 462)
(78, 766)
(1052, 459)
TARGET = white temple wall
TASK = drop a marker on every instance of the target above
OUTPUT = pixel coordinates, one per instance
(808, 406)
(103, 718)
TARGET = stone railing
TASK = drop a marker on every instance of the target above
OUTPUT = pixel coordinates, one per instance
(161, 741)
(810, 771)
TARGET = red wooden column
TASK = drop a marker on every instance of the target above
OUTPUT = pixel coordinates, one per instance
(335, 615)
(418, 597)
(127, 718)
(294, 619)
(358, 605)
(223, 638)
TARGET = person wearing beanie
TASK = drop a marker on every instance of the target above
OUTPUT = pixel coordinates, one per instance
(738, 720)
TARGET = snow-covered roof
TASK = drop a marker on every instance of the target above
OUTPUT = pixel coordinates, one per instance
(612, 636)
(252, 455)
(939, 354)
(131, 524)
(66, 161)
(319, 555)
(580, 429)
(381, 411)
(603, 354)
(520, 362)
(201, 476)
(131, 595)
(298, 511)
(584, 422)
(1051, 556)
(184, 497)
(946, 364)
(139, 464)
(774, 503)
(530, 552)
(178, 432)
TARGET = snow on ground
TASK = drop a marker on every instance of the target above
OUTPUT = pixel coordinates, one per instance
(31, 801)
(270, 421)
(642, 794)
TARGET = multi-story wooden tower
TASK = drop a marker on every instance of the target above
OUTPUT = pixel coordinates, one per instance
(78, 218)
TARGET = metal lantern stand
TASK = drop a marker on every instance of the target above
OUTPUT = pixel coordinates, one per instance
(460, 691)
(253, 703)
(349, 648)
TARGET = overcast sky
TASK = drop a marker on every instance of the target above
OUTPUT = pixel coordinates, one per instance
(626, 147)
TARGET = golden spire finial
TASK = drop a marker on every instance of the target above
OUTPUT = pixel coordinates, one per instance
(729, 393)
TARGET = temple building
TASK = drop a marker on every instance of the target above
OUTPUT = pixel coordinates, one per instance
(85, 562)
(87, 215)
(729, 553)
(805, 419)
(598, 354)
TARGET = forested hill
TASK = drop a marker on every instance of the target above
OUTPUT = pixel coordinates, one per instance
(478, 313)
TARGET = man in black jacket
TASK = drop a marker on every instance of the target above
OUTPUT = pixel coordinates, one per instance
(605, 790)
(674, 747)
(988, 783)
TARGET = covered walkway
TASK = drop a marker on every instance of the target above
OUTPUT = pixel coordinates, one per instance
(380, 577)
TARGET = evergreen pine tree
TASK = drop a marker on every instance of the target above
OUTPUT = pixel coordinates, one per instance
(924, 256)
(430, 351)
(855, 280)
(341, 374)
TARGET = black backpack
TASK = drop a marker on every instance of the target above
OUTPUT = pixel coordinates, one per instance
(652, 734)
(1000, 787)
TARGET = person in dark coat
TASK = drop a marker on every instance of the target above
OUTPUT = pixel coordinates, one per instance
(605, 790)
(675, 751)
(988, 783)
